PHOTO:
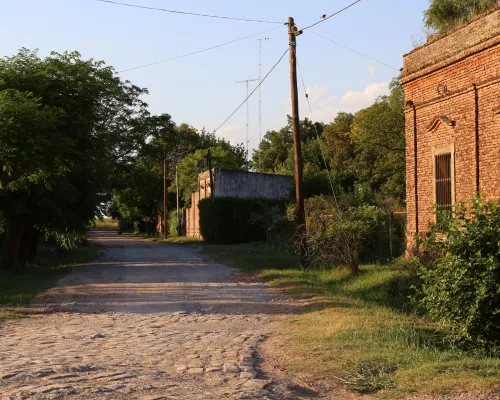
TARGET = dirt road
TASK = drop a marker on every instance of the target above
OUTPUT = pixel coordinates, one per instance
(146, 321)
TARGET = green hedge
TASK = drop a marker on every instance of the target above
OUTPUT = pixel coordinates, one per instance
(228, 220)
(173, 224)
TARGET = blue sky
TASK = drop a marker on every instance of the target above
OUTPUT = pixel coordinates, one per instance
(201, 90)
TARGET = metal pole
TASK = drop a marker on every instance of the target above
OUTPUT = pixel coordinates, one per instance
(248, 110)
(165, 216)
(209, 162)
(248, 118)
(177, 195)
(300, 209)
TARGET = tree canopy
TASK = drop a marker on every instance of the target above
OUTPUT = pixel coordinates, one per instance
(443, 15)
(66, 124)
(367, 148)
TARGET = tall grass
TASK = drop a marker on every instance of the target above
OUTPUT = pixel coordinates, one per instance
(364, 332)
(52, 264)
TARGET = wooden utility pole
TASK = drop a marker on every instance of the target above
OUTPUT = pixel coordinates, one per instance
(300, 209)
(209, 163)
(177, 197)
(165, 216)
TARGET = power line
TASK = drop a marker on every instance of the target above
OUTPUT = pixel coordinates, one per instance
(190, 13)
(198, 51)
(250, 95)
(354, 51)
(317, 134)
(326, 18)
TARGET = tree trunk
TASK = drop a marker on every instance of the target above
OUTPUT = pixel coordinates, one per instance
(28, 248)
(9, 255)
(354, 265)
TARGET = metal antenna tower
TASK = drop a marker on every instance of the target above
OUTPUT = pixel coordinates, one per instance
(247, 82)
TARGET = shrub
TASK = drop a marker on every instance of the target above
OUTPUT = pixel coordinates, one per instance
(336, 234)
(461, 289)
(173, 224)
(228, 220)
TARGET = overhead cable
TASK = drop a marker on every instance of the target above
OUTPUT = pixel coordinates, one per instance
(250, 95)
(326, 18)
(317, 133)
(354, 51)
(190, 13)
(198, 51)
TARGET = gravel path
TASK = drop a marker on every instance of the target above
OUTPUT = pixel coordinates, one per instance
(146, 321)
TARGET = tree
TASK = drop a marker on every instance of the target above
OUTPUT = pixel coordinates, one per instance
(31, 142)
(138, 197)
(192, 165)
(378, 135)
(96, 122)
(340, 150)
(443, 15)
(275, 154)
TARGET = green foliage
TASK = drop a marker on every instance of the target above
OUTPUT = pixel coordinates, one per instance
(25, 157)
(138, 194)
(370, 377)
(223, 156)
(461, 289)
(366, 148)
(340, 150)
(173, 224)
(52, 265)
(444, 15)
(227, 220)
(336, 234)
(66, 125)
(275, 154)
(378, 136)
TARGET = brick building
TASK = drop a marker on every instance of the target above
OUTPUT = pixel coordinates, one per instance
(240, 184)
(452, 93)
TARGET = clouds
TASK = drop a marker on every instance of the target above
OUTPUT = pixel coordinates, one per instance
(326, 106)
(372, 69)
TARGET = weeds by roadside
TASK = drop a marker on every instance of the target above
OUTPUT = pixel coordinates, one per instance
(106, 224)
(53, 264)
(180, 240)
(364, 332)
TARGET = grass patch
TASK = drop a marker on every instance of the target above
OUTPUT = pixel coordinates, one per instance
(106, 224)
(52, 264)
(180, 240)
(363, 332)
(10, 315)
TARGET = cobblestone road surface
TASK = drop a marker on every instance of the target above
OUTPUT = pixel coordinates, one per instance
(145, 321)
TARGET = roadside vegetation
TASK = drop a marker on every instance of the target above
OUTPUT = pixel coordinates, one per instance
(364, 332)
(445, 15)
(52, 264)
(180, 240)
(105, 224)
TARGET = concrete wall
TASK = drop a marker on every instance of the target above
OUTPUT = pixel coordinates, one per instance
(252, 185)
(241, 184)
(452, 89)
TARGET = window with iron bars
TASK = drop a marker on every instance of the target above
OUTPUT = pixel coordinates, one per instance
(444, 185)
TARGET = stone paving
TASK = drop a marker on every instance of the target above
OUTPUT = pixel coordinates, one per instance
(144, 322)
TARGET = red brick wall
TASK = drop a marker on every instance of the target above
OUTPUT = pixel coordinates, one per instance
(469, 70)
(192, 219)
